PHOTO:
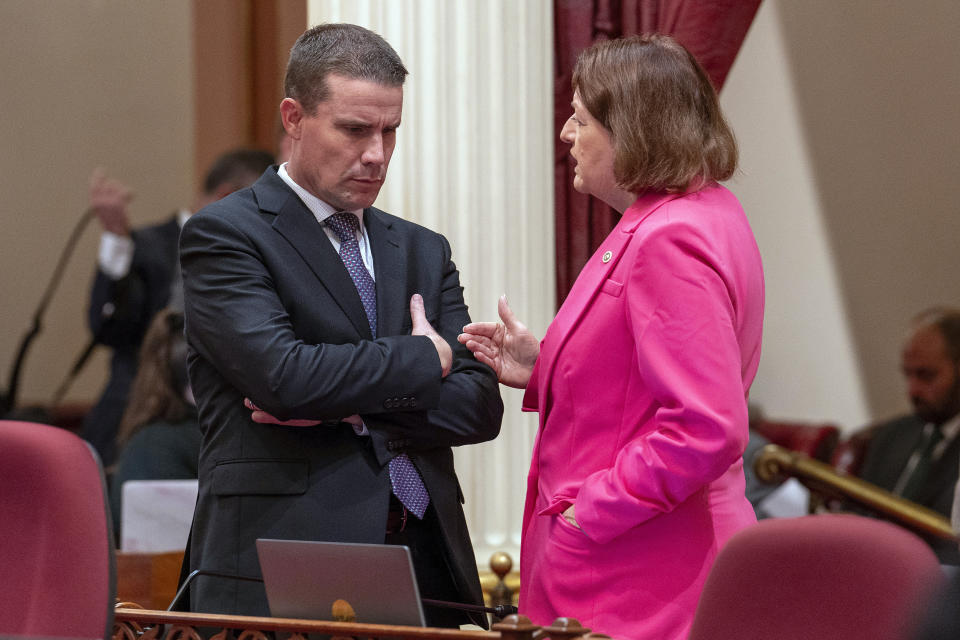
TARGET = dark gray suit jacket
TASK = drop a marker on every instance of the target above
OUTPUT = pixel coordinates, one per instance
(889, 450)
(272, 314)
(887, 454)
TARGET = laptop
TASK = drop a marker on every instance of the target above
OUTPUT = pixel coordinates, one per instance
(303, 579)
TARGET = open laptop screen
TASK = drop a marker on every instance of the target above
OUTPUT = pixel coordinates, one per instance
(304, 578)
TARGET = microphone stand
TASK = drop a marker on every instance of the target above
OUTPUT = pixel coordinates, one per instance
(501, 611)
(8, 400)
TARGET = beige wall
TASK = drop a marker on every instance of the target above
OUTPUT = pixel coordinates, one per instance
(847, 117)
(86, 83)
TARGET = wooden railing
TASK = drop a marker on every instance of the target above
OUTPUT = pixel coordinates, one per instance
(774, 463)
(151, 578)
(131, 623)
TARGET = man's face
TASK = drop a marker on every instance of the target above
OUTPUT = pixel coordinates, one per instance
(933, 381)
(340, 152)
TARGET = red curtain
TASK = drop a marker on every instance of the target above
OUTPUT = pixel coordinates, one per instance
(713, 31)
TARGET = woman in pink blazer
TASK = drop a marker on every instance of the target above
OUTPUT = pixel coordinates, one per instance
(641, 380)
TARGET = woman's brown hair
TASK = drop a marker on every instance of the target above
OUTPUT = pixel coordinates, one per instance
(157, 392)
(662, 112)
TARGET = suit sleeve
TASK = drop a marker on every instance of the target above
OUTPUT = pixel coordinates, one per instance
(470, 408)
(236, 320)
(120, 310)
(683, 319)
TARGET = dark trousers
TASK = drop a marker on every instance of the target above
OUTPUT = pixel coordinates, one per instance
(434, 577)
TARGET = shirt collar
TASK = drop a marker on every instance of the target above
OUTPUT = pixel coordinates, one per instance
(320, 209)
(950, 428)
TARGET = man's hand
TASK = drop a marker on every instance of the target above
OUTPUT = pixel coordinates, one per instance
(109, 199)
(509, 348)
(422, 327)
(261, 416)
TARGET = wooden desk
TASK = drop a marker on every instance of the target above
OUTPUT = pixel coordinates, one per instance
(149, 579)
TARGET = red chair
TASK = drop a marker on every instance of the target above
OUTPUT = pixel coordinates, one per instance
(824, 577)
(815, 440)
(57, 554)
(850, 452)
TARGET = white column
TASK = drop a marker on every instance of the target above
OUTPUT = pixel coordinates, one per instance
(474, 162)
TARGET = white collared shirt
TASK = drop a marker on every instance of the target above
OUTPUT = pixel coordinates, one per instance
(321, 211)
(950, 429)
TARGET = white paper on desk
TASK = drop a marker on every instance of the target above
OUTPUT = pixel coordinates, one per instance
(790, 500)
(156, 514)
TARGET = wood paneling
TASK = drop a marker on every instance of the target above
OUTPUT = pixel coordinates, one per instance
(240, 50)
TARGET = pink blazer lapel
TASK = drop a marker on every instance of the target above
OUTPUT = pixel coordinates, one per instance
(588, 284)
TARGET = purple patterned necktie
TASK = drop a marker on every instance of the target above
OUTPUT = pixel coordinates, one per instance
(406, 480)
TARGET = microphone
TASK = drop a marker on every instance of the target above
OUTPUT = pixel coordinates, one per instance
(205, 572)
(8, 400)
(81, 360)
(501, 611)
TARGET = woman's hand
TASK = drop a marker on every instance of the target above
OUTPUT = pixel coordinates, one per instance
(509, 348)
(570, 516)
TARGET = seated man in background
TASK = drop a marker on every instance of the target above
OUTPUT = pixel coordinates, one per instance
(917, 456)
(135, 271)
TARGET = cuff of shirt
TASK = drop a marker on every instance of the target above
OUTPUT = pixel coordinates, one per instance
(115, 255)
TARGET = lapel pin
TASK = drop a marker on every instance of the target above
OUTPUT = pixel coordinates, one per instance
(607, 255)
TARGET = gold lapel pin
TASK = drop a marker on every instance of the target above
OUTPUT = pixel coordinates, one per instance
(607, 255)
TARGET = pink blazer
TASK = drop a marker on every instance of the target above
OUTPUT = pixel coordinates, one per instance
(641, 386)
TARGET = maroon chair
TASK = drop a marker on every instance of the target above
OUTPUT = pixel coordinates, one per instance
(815, 440)
(850, 452)
(57, 554)
(828, 577)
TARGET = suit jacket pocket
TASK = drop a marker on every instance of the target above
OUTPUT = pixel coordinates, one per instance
(260, 477)
(612, 287)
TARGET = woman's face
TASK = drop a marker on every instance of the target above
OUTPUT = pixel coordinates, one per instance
(593, 152)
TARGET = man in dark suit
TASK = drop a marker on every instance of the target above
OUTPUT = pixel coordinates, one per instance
(918, 456)
(307, 304)
(135, 272)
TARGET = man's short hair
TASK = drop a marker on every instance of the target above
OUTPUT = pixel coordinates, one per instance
(667, 129)
(344, 49)
(947, 321)
(236, 169)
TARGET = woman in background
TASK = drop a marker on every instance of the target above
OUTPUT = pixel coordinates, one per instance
(159, 435)
(641, 380)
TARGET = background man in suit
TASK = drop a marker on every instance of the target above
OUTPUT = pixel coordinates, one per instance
(312, 305)
(135, 272)
(918, 456)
